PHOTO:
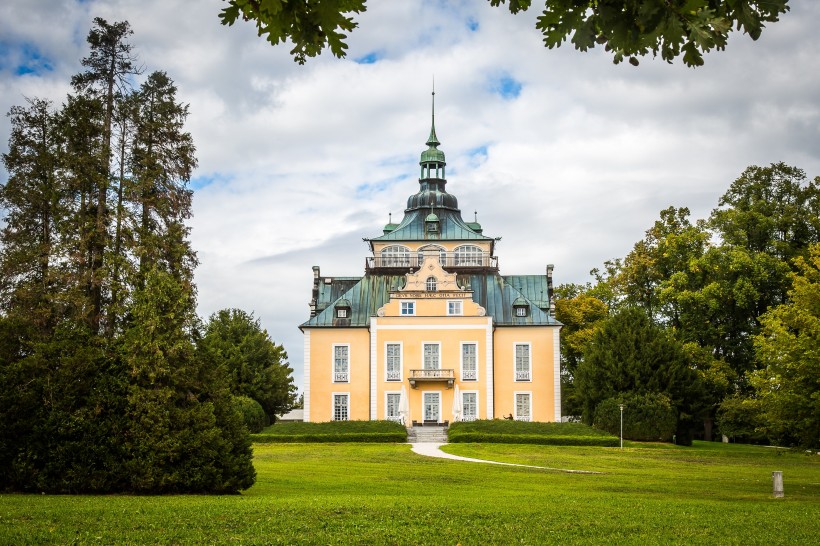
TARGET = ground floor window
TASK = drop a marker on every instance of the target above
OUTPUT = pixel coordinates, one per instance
(341, 410)
(392, 412)
(469, 406)
(522, 406)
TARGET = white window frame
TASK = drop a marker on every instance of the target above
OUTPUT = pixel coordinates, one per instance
(461, 360)
(333, 405)
(387, 416)
(520, 311)
(429, 249)
(341, 312)
(401, 361)
(407, 308)
(455, 308)
(477, 405)
(519, 377)
(339, 378)
(395, 256)
(431, 284)
(424, 403)
(515, 406)
(438, 354)
(469, 255)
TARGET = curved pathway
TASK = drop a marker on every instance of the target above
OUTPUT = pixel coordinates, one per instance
(430, 449)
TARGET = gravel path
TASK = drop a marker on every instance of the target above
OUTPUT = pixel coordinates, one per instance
(432, 450)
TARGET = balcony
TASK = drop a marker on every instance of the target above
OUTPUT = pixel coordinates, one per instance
(431, 376)
(469, 375)
(522, 375)
(340, 377)
(451, 261)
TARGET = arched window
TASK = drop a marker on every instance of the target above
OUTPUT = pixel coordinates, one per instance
(432, 249)
(431, 284)
(395, 256)
(469, 255)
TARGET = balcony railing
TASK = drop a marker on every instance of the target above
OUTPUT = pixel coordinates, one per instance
(393, 375)
(448, 260)
(340, 377)
(522, 417)
(469, 375)
(439, 374)
(522, 375)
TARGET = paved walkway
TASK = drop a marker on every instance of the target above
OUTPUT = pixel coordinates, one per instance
(432, 450)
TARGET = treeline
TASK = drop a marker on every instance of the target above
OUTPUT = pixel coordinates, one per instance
(110, 382)
(709, 326)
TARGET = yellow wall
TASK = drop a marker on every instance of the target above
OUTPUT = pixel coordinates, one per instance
(541, 384)
(322, 386)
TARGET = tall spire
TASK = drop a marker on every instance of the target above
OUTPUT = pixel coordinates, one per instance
(432, 140)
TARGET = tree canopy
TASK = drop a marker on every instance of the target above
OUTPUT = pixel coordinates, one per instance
(628, 29)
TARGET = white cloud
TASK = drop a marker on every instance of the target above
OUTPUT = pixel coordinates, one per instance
(298, 163)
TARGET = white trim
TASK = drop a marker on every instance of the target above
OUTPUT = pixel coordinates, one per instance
(424, 404)
(556, 366)
(515, 403)
(374, 358)
(401, 361)
(461, 360)
(460, 308)
(423, 343)
(386, 393)
(515, 363)
(333, 362)
(306, 348)
(333, 396)
(477, 403)
(490, 370)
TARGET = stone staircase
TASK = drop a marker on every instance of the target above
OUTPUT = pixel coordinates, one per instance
(427, 434)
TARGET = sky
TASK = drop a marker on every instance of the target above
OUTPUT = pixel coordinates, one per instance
(564, 155)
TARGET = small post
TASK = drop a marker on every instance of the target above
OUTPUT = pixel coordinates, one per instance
(777, 484)
(622, 425)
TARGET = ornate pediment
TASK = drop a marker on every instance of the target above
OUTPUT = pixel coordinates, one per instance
(430, 268)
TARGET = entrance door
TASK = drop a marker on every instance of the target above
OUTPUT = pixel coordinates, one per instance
(432, 402)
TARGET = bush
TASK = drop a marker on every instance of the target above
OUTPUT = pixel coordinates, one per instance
(522, 432)
(333, 431)
(648, 417)
(252, 413)
(741, 419)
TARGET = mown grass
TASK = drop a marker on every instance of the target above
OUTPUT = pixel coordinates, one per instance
(333, 431)
(385, 494)
(522, 432)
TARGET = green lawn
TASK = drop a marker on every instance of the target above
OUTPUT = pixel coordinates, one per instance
(385, 494)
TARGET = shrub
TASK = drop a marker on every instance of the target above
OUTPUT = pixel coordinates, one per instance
(252, 413)
(333, 431)
(521, 432)
(741, 419)
(648, 417)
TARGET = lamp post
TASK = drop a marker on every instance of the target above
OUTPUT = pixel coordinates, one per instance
(621, 406)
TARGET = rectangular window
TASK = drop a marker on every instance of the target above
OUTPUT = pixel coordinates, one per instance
(391, 411)
(341, 363)
(522, 361)
(469, 406)
(469, 364)
(454, 307)
(341, 313)
(341, 411)
(431, 356)
(522, 406)
(520, 311)
(392, 360)
(408, 308)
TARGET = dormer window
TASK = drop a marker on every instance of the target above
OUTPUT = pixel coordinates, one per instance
(431, 284)
(342, 309)
(521, 307)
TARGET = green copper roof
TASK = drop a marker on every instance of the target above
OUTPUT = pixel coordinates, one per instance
(491, 291)
(451, 227)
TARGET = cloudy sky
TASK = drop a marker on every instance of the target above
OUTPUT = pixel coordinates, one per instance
(566, 156)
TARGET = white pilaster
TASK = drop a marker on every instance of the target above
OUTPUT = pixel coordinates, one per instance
(556, 364)
(306, 338)
(373, 362)
(490, 373)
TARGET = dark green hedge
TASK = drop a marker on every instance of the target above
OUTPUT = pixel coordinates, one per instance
(333, 431)
(521, 432)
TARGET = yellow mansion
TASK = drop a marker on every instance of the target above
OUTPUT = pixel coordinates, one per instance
(432, 332)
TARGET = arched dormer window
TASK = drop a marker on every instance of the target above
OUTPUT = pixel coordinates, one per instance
(395, 256)
(431, 284)
(469, 255)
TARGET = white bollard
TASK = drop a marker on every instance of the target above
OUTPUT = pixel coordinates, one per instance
(777, 484)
